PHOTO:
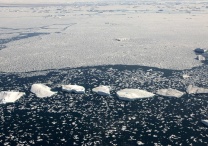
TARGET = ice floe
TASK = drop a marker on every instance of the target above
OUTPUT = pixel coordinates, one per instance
(201, 58)
(102, 90)
(205, 122)
(196, 90)
(73, 89)
(10, 96)
(133, 94)
(41, 90)
(170, 92)
(185, 76)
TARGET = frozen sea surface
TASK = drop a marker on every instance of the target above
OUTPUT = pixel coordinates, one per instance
(76, 119)
(53, 35)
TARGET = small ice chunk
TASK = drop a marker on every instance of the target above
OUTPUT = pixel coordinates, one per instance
(200, 50)
(170, 92)
(196, 90)
(140, 143)
(10, 96)
(122, 39)
(133, 94)
(73, 88)
(41, 90)
(185, 76)
(201, 58)
(102, 90)
(205, 122)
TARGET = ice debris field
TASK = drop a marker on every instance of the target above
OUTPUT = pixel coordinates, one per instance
(103, 72)
(96, 105)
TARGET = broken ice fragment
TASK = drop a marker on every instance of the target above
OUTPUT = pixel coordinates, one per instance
(102, 90)
(73, 89)
(133, 94)
(41, 90)
(170, 92)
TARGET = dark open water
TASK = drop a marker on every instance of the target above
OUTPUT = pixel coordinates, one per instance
(90, 119)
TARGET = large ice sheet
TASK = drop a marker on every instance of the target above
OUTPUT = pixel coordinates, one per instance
(87, 34)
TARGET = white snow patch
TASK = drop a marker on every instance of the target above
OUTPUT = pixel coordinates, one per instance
(73, 88)
(170, 92)
(102, 90)
(196, 90)
(133, 94)
(10, 96)
(41, 90)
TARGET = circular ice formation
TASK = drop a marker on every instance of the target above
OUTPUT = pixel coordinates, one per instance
(170, 92)
(41, 90)
(73, 88)
(102, 90)
(133, 94)
(10, 96)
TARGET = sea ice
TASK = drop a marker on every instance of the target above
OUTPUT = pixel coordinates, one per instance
(201, 57)
(196, 90)
(170, 92)
(73, 88)
(41, 90)
(10, 96)
(102, 90)
(185, 76)
(205, 122)
(133, 94)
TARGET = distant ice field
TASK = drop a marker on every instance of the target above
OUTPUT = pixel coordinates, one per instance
(53, 35)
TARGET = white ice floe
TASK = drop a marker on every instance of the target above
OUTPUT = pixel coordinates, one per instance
(10, 96)
(196, 90)
(201, 57)
(41, 90)
(133, 94)
(170, 92)
(73, 88)
(102, 90)
(185, 76)
(205, 122)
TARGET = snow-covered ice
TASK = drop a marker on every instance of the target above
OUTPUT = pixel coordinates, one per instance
(10, 96)
(196, 90)
(41, 90)
(73, 89)
(133, 94)
(102, 90)
(170, 92)
(70, 38)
